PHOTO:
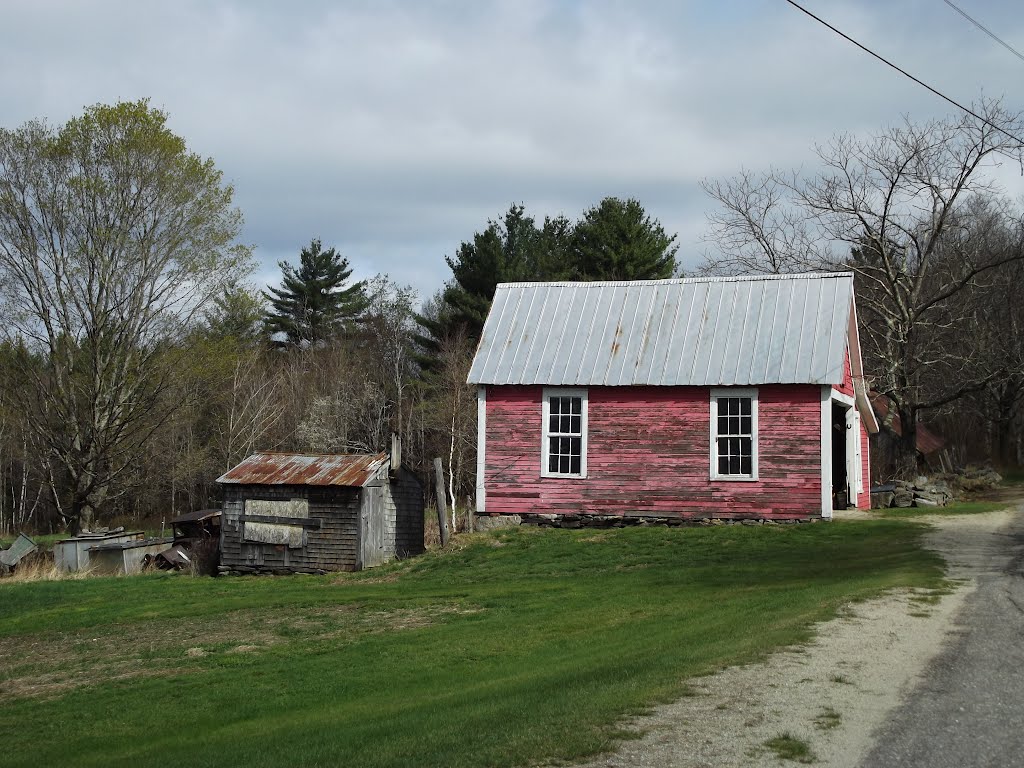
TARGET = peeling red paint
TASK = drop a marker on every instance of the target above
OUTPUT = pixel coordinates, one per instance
(649, 453)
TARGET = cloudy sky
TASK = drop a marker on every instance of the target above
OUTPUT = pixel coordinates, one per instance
(394, 130)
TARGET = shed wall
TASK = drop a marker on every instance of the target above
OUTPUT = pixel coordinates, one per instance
(332, 547)
(649, 454)
(406, 496)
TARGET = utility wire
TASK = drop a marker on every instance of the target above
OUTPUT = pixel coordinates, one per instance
(986, 30)
(904, 72)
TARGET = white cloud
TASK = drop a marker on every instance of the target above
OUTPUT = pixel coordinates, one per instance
(394, 130)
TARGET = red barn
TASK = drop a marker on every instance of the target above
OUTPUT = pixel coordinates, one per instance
(697, 398)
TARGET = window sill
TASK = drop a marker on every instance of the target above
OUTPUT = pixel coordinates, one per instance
(559, 475)
(734, 479)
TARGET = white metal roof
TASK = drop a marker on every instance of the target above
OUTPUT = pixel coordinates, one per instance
(719, 331)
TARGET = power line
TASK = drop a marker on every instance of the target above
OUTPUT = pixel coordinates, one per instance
(986, 30)
(904, 72)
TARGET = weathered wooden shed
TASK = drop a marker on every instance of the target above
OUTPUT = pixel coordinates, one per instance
(311, 513)
(697, 398)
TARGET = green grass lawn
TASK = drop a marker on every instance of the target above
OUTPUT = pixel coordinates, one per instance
(958, 508)
(520, 647)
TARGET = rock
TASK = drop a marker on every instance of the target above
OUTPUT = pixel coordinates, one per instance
(933, 499)
(920, 481)
(882, 500)
(903, 498)
(919, 502)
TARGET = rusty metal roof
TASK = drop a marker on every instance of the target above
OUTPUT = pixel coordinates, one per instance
(719, 331)
(352, 470)
(926, 441)
(197, 516)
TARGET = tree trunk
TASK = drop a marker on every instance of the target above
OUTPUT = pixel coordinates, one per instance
(906, 445)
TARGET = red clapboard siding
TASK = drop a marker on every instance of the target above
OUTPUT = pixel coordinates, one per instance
(649, 453)
(847, 386)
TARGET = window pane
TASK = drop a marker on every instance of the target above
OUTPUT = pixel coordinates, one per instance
(723, 465)
(745, 465)
(734, 425)
(564, 433)
(723, 425)
(744, 403)
(745, 425)
(734, 465)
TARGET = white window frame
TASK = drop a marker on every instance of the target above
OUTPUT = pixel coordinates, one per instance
(734, 392)
(545, 433)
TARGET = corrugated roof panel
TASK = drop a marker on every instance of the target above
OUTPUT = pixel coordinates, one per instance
(703, 331)
(709, 337)
(749, 336)
(548, 330)
(594, 366)
(584, 304)
(729, 350)
(688, 334)
(628, 336)
(306, 469)
(651, 356)
(574, 322)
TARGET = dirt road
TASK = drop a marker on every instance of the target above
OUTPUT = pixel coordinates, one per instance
(836, 695)
(968, 708)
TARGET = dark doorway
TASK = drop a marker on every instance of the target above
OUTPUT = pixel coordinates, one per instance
(840, 491)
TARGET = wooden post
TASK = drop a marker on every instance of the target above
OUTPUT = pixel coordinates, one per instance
(442, 507)
(471, 509)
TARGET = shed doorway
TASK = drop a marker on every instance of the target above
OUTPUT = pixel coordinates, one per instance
(371, 527)
(846, 469)
(840, 488)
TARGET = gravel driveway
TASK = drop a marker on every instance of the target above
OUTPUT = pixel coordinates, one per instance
(844, 688)
(968, 709)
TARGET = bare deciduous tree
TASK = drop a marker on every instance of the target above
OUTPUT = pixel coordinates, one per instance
(894, 208)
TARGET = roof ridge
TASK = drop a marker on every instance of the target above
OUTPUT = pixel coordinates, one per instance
(304, 453)
(678, 280)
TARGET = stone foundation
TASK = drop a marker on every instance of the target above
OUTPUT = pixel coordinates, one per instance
(585, 520)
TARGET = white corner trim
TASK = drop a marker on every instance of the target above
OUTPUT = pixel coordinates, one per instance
(826, 451)
(546, 395)
(846, 400)
(481, 448)
(717, 392)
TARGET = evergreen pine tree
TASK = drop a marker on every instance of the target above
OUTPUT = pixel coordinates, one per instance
(312, 303)
(617, 240)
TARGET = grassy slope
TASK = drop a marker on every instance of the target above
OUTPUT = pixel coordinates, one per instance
(523, 647)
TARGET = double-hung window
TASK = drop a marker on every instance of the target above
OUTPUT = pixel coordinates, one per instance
(564, 442)
(734, 434)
